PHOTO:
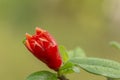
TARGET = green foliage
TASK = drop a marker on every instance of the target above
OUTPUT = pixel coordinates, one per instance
(68, 67)
(107, 68)
(77, 58)
(64, 53)
(77, 52)
(42, 75)
(115, 44)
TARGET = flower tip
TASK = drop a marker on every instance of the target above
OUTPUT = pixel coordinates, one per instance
(39, 30)
(28, 36)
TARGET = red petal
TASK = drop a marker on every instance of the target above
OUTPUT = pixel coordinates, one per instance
(28, 46)
(39, 30)
(28, 36)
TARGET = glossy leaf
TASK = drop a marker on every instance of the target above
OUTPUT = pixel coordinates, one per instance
(98, 66)
(42, 75)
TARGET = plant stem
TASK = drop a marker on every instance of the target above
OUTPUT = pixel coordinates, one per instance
(62, 77)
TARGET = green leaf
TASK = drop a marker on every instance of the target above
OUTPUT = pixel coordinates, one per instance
(78, 52)
(107, 68)
(115, 44)
(42, 75)
(69, 67)
(64, 53)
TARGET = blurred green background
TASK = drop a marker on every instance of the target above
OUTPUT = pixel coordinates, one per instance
(90, 24)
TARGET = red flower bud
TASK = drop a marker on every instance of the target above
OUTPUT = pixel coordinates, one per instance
(43, 46)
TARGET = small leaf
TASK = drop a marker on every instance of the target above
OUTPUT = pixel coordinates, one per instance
(115, 44)
(76, 69)
(42, 75)
(107, 68)
(64, 53)
(69, 67)
(78, 52)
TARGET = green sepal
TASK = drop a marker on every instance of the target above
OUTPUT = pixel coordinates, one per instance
(64, 53)
(68, 67)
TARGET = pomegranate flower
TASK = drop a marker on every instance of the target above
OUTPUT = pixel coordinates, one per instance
(43, 46)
